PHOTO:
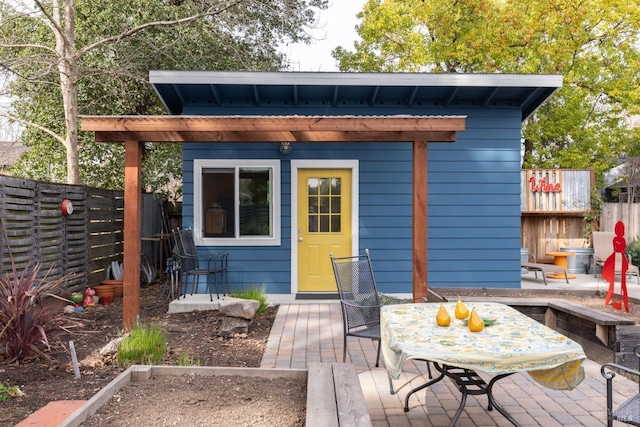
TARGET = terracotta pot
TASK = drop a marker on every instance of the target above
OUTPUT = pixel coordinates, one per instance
(104, 290)
(117, 287)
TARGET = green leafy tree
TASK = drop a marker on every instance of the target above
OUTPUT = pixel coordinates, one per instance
(595, 44)
(66, 58)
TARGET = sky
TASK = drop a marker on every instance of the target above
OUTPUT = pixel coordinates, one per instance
(336, 27)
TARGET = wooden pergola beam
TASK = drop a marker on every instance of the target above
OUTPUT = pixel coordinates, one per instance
(133, 131)
(276, 136)
(401, 123)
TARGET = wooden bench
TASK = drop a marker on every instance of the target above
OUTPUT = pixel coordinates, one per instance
(545, 269)
(334, 397)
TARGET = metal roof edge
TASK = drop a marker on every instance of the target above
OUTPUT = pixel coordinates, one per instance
(276, 78)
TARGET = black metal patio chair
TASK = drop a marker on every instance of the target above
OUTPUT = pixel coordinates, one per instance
(629, 411)
(192, 267)
(359, 298)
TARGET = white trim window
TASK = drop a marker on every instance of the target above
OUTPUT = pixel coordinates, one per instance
(236, 202)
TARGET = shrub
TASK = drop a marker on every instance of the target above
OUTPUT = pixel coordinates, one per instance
(633, 250)
(256, 293)
(145, 345)
(24, 321)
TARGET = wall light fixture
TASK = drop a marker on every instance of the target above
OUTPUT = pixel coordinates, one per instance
(285, 147)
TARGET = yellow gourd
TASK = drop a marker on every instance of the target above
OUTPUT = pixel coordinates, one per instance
(443, 318)
(476, 324)
(461, 312)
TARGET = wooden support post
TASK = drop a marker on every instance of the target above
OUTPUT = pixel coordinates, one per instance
(132, 221)
(420, 221)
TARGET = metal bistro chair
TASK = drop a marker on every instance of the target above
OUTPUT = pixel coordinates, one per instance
(192, 267)
(359, 299)
(629, 411)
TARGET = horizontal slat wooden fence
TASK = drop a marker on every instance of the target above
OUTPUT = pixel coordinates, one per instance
(81, 245)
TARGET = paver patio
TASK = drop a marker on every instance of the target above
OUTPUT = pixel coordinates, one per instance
(312, 332)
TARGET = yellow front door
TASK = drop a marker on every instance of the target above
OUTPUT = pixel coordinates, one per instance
(324, 225)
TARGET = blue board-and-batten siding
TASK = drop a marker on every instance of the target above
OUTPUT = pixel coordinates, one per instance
(473, 202)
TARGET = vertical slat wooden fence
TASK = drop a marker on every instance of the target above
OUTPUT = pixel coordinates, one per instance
(629, 215)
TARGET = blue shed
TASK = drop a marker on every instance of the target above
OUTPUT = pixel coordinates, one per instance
(450, 143)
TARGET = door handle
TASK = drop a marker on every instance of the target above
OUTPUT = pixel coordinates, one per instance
(300, 239)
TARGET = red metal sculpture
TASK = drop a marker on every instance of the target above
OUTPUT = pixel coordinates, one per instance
(609, 267)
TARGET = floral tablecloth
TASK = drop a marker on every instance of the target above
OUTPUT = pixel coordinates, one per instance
(514, 343)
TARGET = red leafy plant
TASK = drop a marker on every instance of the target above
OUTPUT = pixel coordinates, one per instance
(25, 322)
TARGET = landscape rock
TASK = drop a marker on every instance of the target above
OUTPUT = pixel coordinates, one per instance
(239, 307)
(111, 348)
(234, 325)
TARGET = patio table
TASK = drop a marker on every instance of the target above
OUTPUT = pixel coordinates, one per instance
(514, 343)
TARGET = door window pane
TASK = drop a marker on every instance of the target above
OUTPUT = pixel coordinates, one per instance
(324, 201)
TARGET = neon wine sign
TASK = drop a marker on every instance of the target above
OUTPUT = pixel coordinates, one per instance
(544, 186)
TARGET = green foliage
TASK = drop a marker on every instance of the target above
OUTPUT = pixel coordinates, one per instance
(7, 391)
(592, 217)
(109, 65)
(633, 250)
(256, 293)
(594, 44)
(185, 359)
(25, 321)
(145, 345)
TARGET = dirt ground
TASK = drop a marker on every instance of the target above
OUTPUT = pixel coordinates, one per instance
(206, 401)
(195, 333)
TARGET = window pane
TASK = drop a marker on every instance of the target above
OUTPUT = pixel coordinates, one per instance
(312, 183)
(255, 202)
(336, 186)
(324, 186)
(218, 202)
(313, 205)
(313, 223)
(335, 223)
(324, 223)
(324, 204)
(335, 205)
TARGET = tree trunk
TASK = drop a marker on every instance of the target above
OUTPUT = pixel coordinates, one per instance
(68, 69)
